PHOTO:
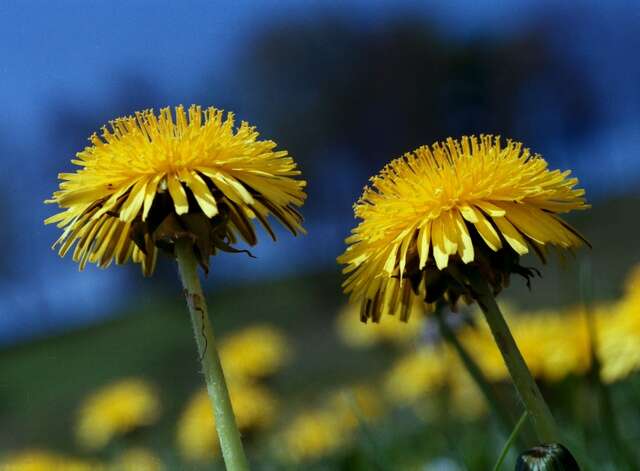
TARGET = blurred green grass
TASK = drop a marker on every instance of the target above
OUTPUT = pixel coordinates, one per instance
(42, 382)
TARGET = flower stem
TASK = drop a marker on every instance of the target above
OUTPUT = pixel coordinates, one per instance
(512, 438)
(225, 421)
(543, 422)
(506, 423)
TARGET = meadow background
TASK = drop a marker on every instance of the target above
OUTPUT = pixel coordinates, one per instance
(345, 87)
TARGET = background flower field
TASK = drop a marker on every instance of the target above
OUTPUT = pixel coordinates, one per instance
(98, 370)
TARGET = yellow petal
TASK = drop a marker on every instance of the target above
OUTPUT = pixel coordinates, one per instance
(487, 231)
(132, 205)
(465, 245)
(150, 194)
(201, 192)
(424, 238)
(440, 255)
(491, 209)
(511, 235)
(178, 194)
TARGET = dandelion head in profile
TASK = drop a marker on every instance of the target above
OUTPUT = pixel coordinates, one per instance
(434, 214)
(150, 179)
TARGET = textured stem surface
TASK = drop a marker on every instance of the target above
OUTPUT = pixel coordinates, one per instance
(544, 423)
(230, 443)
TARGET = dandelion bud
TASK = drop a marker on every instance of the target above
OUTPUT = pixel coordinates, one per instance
(553, 457)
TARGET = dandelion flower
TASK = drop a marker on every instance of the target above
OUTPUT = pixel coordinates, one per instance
(254, 408)
(439, 208)
(116, 409)
(356, 334)
(42, 460)
(619, 336)
(554, 344)
(324, 430)
(355, 404)
(137, 459)
(420, 372)
(150, 179)
(254, 352)
(310, 436)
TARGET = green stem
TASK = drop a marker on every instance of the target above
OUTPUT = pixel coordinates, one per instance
(225, 421)
(506, 423)
(512, 438)
(543, 422)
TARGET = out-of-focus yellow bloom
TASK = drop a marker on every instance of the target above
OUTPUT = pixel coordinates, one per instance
(322, 431)
(254, 407)
(148, 176)
(352, 405)
(116, 409)
(254, 352)
(311, 435)
(357, 334)
(468, 201)
(467, 400)
(41, 460)
(137, 459)
(619, 343)
(418, 373)
(553, 343)
(619, 336)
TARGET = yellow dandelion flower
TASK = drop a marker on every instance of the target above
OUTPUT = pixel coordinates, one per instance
(254, 352)
(352, 405)
(254, 408)
(619, 335)
(553, 343)
(310, 436)
(150, 179)
(114, 410)
(42, 460)
(467, 400)
(356, 334)
(416, 374)
(325, 429)
(137, 459)
(433, 211)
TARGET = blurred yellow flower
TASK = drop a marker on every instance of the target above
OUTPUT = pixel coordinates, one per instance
(554, 343)
(467, 401)
(357, 334)
(311, 435)
(254, 352)
(468, 200)
(322, 431)
(41, 460)
(418, 373)
(619, 336)
(116, 409)
(254, 408)
(148, 177)
(352, 405)
(137, 459)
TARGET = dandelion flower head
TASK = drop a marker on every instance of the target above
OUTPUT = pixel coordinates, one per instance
(472, 201)
(149, 179)
(116, 409)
